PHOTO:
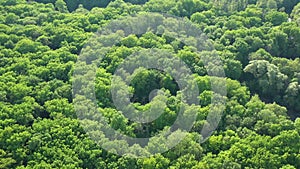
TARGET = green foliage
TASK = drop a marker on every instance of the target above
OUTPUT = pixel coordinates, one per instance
(259, 47)
(26, 46)
(61, 6)
(276, 18)
(296, 13)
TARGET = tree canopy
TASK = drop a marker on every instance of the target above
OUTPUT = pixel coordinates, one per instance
(258, 42)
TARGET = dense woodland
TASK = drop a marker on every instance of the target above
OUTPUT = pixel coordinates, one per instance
(258, 42)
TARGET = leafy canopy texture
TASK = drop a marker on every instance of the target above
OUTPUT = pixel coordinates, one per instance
(258, 42)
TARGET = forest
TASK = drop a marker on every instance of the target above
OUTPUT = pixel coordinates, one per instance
(47, 47)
